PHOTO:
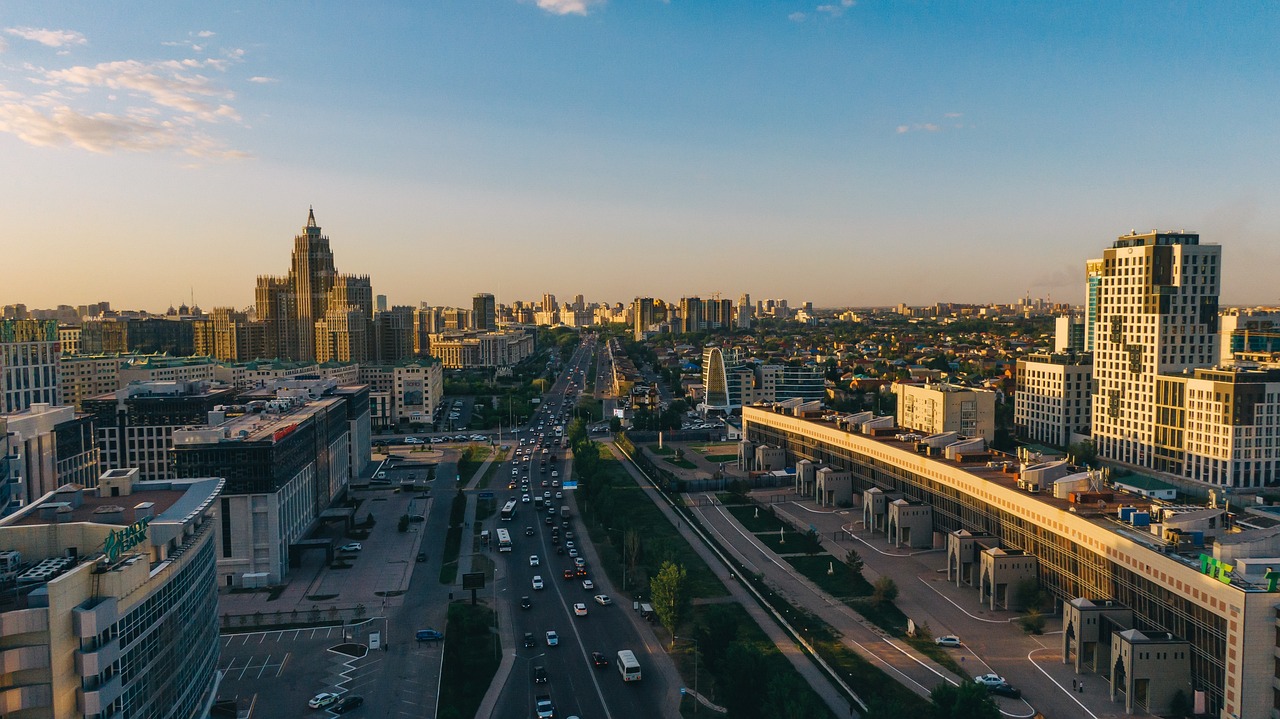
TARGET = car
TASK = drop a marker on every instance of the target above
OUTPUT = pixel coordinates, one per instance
(348, 703)
(350, 547)
(579, 561)
(1005, 690)
(559, 549)
(525, 499)
(599, 660)
(533, 560)
(428, 635)
(582, 571)
(555, 539)
(989, 680)
(553, 639)
(422, 557)
(528, 531)
(543, 708)
(525, 602)
(588, 585)
(539, 675)
(559, 495)
(529, 641)
(569, 544)
(573, 553)
(549, 521)
(948, 640)
(568, 574)
(603, 600)
(537, 581)
(580, 609)
(322, 700)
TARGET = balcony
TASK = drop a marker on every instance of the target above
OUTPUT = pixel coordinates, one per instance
(97, 700)
(92, 663)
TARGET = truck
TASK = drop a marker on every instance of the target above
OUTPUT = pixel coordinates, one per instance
(564, 511)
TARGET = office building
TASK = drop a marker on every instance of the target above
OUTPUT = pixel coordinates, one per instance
(1139, 563)
(135, 424)
(30, 364)
(1068, 334)
(69, 339)
(144, 335)
(934, 408)
(52, 446)
(231, 336)
(114, 610)
(484, 312)
(1093, 282)
(86, 376)
(313, 303)
(409, 391)
(286, 453)
(732, 381)
(393, 334)
(1249, 331)
(466, 350)
(1054, 398)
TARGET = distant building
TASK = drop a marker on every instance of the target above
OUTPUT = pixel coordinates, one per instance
(937, 408)
(1068, 335)
(1054, 398)
(1245, 331)
(466, 350)
(406, 392)
(9, 484)
(115, 609)
(393, 334)
(732, 381)
(30, 364)
(51, 446)
(287, 453)
(135, 424)
(484, 312)
(69, 339)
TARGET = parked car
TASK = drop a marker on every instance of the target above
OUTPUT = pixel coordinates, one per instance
(321, 700)
(948, 640)
(350, 547)
(989, 680)
(1005, 690)
(426, 635)
(348, 703)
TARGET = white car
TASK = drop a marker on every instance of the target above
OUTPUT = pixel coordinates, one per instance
(533, 560)
(603, 600)
(321, 700)
(989, 680)
(553, 639)
(580, 609)
(588, 585)
(350, 547)
(573, 553)
(947, 640)
(525, 499)
(537, 581)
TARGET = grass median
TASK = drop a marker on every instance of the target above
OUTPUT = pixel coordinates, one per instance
(472, 654)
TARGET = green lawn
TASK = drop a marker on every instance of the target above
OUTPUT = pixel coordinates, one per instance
(755, 519)
(795, 542)
(661, 450)
(471, 657)
(717, 458)
(680, 462)
(842, 583)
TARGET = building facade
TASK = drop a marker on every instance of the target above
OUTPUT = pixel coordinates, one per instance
(1053, 401)
(937, 408)
(116, 608)
(52, 446)
(1226, 618)
(467, 350)
(30, 364)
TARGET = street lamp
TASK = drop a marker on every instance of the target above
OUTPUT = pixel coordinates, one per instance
(697, 698)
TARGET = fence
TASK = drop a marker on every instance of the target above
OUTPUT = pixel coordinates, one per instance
(316, 616)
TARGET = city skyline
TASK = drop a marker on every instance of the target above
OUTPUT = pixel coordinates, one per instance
(934, 153)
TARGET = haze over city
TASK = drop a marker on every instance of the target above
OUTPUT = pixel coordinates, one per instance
(846, 153)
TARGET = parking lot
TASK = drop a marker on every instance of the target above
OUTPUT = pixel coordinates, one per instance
(274, 674)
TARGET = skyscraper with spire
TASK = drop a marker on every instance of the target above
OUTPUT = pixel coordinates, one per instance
(305, 304)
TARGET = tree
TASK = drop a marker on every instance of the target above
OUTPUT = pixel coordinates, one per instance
(789, 697)
(1032, 622)
(884, 591)
(631, 548)
(1084, 452)
(969, 700)
(854, 562)
(669, 593)
(615, 424)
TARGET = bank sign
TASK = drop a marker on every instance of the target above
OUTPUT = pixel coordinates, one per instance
(120, 540)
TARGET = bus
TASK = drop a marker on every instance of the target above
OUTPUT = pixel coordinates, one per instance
(509, 511)
(504, 540)
(628, 667)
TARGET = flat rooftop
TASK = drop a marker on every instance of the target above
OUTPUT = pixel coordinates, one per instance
(102, 510)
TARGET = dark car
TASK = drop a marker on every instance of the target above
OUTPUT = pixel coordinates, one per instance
(529, 641)
(525, 603)
(422, 556)
(348, 703)
(528, 531)
(599, 660)
(539, 675)
(1004, 689)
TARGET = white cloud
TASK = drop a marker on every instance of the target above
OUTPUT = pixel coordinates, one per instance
(797, 17)
(61, 126)
(904, 129)
(918, 127)
(836, 9)
(953, 115)
(263, 80)
(168, 83)
(206, 33)
(50, 38)
(568, 7)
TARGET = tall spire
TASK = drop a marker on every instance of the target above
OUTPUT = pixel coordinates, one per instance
(311, 216)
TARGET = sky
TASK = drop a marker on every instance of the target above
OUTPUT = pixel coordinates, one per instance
(845, 153)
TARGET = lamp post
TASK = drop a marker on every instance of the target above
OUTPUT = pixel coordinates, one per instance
(697, 698)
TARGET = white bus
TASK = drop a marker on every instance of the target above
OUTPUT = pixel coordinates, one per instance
(504, 540)
(628, 667)
(508, 511)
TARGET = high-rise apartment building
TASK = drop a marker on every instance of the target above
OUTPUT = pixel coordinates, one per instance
(549, 303)
(1157, 315)
(484, 312)
(30, 364)
(313, 302)
(1093, 281)
(1068, 334)
(691, 319)
(1054, 398)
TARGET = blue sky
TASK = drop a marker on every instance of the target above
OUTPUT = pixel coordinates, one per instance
(842, 153)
